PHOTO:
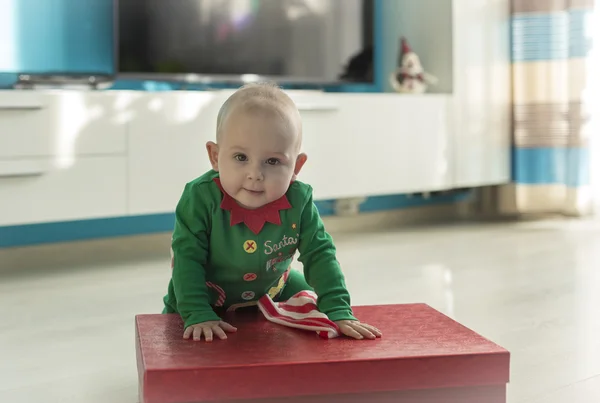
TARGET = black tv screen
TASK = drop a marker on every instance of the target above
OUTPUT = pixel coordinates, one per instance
(286, 40)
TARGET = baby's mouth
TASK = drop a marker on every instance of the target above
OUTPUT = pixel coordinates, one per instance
(255, 192)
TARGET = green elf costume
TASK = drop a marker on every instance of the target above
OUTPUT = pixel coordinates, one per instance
(225, 256)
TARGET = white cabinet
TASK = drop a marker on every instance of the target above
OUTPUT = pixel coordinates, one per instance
(69, 155)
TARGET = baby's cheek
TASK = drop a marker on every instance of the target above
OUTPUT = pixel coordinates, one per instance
(278, 183)
(282, 177)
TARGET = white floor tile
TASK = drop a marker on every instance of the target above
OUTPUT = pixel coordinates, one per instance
(66, 333)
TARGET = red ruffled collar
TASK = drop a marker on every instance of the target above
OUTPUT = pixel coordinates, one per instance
(254, 219)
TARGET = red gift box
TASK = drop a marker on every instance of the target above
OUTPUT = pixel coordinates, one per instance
(423, 356)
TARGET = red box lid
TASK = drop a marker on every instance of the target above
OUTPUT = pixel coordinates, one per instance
(420, 349)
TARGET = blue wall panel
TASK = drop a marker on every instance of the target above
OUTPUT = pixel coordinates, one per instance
(47, 36)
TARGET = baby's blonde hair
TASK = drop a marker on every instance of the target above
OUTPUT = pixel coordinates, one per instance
(264, 96)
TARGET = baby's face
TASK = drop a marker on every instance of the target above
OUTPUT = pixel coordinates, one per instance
(257, 158)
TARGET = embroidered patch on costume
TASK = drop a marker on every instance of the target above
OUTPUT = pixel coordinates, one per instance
(271, 246)
(272, 262)
(250, 246)
(248, 295)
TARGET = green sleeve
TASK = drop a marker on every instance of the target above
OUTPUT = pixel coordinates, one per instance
(321, 267)
(190, 255)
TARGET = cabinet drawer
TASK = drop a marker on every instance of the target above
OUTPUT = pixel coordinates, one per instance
(90, 188)
(63, 124)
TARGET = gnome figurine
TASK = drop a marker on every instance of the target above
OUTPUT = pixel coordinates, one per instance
(410, 77)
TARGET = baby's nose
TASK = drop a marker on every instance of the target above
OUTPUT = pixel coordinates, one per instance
(254, 173)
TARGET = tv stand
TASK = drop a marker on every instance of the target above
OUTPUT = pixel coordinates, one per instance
(57, 81)
(95, 154)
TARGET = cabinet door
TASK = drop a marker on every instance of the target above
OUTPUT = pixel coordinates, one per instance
(378, 144)
(167, 147)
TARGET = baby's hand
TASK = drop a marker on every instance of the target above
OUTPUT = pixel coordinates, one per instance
(358, 330)
(217, 327)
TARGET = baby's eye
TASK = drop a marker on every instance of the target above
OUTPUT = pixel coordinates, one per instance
(272, 161)
(240, 157)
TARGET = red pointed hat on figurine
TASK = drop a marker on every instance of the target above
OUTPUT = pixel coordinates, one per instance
(409, 76)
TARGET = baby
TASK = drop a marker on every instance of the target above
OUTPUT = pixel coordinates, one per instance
(239, 225)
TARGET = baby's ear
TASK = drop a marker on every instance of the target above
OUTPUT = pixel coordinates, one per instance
(213, 154)
(300, 161)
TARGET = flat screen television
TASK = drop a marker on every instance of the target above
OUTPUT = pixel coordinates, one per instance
(289, 41)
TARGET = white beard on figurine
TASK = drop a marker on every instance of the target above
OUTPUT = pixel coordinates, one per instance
(410, 76)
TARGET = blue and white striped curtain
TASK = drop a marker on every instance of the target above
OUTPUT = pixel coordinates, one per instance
(552, 96)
